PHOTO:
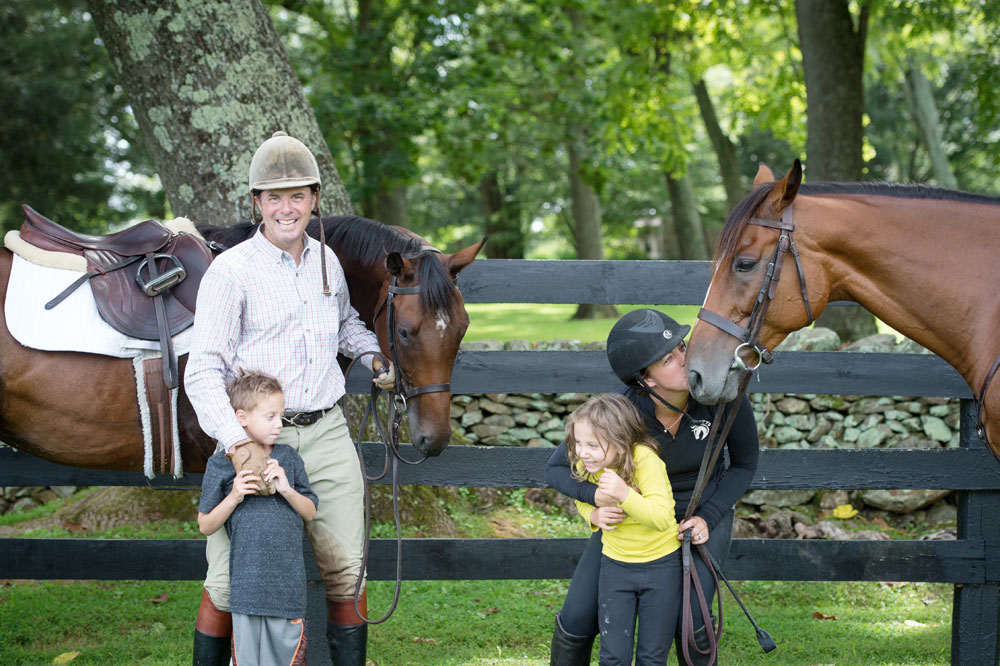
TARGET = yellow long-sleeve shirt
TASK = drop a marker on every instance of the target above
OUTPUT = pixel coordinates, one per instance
(649, 530)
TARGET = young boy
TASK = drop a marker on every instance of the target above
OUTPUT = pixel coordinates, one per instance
(268, 590)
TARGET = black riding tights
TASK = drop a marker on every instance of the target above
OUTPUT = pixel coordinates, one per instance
(579, 611)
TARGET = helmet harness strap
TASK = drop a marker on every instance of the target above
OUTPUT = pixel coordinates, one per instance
(656, 396)
(322, 246)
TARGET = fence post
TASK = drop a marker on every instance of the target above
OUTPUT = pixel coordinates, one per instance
(976, 612)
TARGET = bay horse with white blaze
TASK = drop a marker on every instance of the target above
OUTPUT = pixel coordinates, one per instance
(921, 259)
(81, 409)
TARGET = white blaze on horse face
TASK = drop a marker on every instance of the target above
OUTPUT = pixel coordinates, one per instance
(441, 323)
(709, 290)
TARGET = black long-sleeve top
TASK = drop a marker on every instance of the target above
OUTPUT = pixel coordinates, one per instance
(682, 454)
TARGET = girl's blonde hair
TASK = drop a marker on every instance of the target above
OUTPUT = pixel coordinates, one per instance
(618, 424)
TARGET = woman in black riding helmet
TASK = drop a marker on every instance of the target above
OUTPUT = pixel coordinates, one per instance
(646, 351)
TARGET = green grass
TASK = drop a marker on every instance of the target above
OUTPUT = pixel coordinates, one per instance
(470, 622)
(479, 622)
(550, 321)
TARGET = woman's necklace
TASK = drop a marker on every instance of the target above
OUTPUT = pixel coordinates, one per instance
(666, 429)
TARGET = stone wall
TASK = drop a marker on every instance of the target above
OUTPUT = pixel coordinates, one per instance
(796, 421)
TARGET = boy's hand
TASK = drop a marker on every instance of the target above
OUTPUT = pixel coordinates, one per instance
(275, 472)
(611, 484)
(607, 517)
(245, 483)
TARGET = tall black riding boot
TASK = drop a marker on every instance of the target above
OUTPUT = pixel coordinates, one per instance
(213, 634)
(697, 659)
(568, 649)
(346, 631)
(348, 644)
(211, 650)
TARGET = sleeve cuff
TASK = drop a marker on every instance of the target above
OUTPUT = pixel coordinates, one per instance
(232, 436)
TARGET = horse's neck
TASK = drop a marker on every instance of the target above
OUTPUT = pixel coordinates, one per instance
(918, 265)
(364, 284)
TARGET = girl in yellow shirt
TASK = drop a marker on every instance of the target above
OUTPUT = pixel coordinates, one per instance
(640, 578)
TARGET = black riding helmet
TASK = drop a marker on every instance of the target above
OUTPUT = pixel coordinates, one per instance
(639, 339)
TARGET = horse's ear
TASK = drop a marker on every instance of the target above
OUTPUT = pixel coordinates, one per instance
(764, 175)
(395, 264)
(456, 262)
(783, 194)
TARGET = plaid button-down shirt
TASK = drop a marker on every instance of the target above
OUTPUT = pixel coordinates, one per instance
(257, 310)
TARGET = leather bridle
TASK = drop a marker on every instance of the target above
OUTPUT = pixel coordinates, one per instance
(397, 408)
(725, 417)
(748, 336)
(403, 389)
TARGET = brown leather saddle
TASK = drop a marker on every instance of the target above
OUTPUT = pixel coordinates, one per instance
(144, 278)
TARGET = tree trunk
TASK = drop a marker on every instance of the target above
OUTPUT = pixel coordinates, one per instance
(920, 99)
(502, 221)
(209, 81)
(832, 61)
(687, 221)
(586, 228)
(833, 53)
(725, 149)
(390, 206)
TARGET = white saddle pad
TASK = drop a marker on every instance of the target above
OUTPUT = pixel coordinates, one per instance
(74, 324)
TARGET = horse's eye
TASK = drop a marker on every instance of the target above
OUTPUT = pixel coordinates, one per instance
(744, 265)
(403, 334)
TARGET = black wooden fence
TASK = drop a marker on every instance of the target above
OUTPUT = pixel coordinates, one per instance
(971, 563)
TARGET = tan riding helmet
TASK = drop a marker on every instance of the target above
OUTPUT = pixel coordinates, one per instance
(284, 161)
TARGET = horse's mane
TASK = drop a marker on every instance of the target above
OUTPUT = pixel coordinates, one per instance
(737, 221)
(367, 242)
(900, 190)
(740, 215)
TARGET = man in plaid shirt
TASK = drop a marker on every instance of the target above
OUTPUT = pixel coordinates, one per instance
(260, 308)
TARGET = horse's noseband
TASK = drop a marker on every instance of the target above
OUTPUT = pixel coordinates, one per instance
(748, 335)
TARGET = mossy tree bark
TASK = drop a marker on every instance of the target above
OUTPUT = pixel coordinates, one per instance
(209, 81)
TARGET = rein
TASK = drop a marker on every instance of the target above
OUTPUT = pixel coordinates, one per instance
(725, 417)
(980, 401)
(396, 409)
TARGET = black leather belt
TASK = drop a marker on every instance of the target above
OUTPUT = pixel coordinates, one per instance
(302, 419)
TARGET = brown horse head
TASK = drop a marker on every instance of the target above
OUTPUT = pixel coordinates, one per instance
(429, 321)
(740, 270)
(430, 316)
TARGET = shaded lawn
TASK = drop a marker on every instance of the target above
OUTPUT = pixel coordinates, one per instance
(478, 622)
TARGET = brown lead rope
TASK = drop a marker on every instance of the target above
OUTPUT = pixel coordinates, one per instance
(687, 620)
(726, 415)
(391, 442)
